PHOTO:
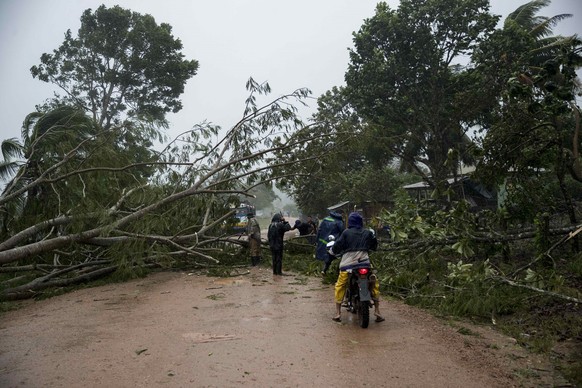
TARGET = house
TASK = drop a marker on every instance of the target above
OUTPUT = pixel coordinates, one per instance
(477, 195)
(368, 209)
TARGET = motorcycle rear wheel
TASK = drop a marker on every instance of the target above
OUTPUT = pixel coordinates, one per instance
(364, 314)
(354, 305)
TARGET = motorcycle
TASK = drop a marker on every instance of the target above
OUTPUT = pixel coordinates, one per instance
(358, 298)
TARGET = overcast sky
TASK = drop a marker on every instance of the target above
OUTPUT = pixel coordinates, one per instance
(290, 44)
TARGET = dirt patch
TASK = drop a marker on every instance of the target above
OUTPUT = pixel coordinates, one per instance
(181, 330)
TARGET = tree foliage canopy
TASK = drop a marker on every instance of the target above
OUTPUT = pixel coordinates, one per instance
(533, 123)
(400, 77)
(121, 62)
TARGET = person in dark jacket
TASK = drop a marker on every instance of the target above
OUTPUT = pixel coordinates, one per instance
(354, 245)
(331, 225)
(306, 228)
(275, 235)
(302, 227)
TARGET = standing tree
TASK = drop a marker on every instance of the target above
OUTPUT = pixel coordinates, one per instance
(345, 162)
(533, 123)
(319, 183)
(121, 63)
(120, 76)
(264, 196)
(401, 79)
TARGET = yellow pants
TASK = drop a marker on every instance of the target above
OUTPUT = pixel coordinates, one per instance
(342, 284)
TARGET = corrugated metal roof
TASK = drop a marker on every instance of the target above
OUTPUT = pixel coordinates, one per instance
(424, 185)
(338, 205)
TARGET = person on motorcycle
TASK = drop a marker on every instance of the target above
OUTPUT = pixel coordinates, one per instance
(332, 225)
(354, 244)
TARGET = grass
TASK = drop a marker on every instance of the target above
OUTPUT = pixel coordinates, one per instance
(9, 306)
(538, 322)
(467, 331)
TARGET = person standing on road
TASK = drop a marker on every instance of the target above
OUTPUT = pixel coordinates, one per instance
(354, 244)
(275, 235)
(254, 235)
(331, 225)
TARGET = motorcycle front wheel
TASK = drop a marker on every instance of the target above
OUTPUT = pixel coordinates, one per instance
(364, 314)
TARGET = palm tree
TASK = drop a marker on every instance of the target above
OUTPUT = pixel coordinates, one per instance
(535, 81)
(545, 46)
(46, 139)
(539, 27)
(12, 153)
(552, 68)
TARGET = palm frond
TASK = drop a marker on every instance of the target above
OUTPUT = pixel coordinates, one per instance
(550, 46)
(525, 15)
(64, 116)
(8, 169)
(544, 26)
(55, 131)
(28, 124)
(13, 208)
(11, 149)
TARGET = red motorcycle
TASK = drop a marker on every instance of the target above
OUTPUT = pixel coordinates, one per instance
(358, 299)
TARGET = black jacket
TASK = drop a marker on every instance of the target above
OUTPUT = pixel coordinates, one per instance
(276, 232)
(303, 227)
(355, 239)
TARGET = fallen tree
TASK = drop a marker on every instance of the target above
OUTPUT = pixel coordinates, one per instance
(179, 212)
